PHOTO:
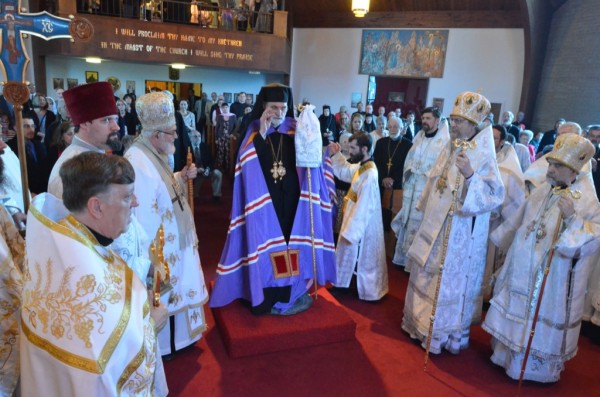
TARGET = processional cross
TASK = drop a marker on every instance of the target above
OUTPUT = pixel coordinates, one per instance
(15, 25)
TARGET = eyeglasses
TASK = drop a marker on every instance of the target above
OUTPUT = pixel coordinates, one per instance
(172, 133)
(456, 120)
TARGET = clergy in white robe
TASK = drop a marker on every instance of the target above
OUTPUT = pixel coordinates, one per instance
(12, 254)
(464, 186)
(162, 201)
(427, 146)
(87, 325)
(360, 246)
(514, 188)
(567, 201)
(536, 174)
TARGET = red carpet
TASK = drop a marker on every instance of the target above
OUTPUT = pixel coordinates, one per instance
(381, 361)
(245, 334)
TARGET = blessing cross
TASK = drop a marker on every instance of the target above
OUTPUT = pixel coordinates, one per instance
(14, 24)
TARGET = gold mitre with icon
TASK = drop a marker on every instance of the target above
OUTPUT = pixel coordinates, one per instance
(572, 150)
(471, 106)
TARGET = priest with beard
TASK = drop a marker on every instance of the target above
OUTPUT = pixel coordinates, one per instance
(389, 156)
(562, 215)
(94, 114)
(268, 259)
(360, 249)
(427, 145)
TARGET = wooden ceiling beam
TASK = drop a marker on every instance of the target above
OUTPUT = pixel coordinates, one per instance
(413, 19)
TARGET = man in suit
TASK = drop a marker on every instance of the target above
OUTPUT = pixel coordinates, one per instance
(411, 127)
(550, 136)
(204, 163)
(36, 155)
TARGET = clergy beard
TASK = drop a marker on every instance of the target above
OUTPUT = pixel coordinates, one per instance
(115, 145)
(355, 158)
(110, 139)
(276, 121)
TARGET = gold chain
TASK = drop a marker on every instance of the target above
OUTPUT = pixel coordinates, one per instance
(278, 170)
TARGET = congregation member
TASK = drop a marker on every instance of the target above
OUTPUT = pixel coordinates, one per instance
(269, 222)
(448, 251)
(369, 123)
(427, 145)
(550, 136)
(521, 150)
(36, 155)
(87, 327)
(525, 137)
(381, 130)
(238, 106)
(12, 256)
(360, 246)
(161, 195)
(205, 165)
(328, 126)
(507, 122)
(558, 228)
(224, 128)
(410, 127)
(514, 188)
(389, 157)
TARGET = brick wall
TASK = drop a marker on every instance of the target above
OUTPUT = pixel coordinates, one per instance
(570, 81)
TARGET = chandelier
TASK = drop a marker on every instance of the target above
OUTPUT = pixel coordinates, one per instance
(360, 8)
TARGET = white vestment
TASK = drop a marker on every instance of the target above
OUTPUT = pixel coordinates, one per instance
(360, 245)
(12, 254)
(514, 188)
(76, 147)
(156, 206)
(523, 155)
(460, 294)
(86, 328)
(11, 192)
(518, 284)
(536, 174)
(419, 160)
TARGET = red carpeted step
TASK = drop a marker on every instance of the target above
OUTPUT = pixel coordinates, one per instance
(245, 334)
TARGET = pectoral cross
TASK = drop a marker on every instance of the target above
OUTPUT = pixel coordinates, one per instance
(389, 165)
(177, 197)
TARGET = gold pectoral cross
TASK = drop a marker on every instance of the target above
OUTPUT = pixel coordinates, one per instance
(442, 183)
(566, 192)
(278, 170)
(389, 165)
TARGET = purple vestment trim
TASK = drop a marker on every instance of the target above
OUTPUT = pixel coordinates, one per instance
(254, 233)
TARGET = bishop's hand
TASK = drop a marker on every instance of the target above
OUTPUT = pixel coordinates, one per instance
(566, 206)
(464, 165)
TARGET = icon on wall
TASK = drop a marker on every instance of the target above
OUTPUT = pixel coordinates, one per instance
(91, 77)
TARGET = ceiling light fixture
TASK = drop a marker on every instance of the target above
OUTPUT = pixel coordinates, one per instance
(360, 8)
(93, 60)
(178, 66)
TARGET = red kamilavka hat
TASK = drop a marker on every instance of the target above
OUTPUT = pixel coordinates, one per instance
(90, 101)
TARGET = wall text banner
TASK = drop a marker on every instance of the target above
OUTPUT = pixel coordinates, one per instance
(141, 41)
